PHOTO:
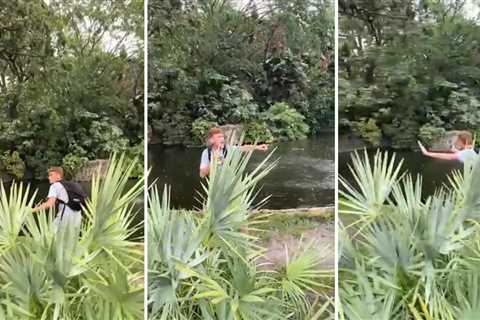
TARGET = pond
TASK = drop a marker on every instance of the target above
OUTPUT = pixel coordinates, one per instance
(304, 177)
(434, 172)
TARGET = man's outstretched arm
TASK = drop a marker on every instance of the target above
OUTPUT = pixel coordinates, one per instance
(251, 147)
(438, 155)
(50, 203)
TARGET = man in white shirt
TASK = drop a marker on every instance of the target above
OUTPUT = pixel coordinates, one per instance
(217, 150)
(464, 152)
(58, 194)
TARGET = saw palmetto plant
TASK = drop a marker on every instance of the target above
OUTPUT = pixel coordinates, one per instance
(205, 264)
(405, 256)
(68, 272)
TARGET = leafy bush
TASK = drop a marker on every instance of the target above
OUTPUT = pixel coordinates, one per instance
(136, 152)
(106, 138)
(369, 131)
(72, 164)
(231, 65)
(410, 77)
(67, 272)
(67, 94)
(258, 132)
(285, 77)
(13, 164)
(285, 122)
(87, 136)
(171, 128)
(464, 111)
(429, 133)
(321, 101)
(224, 100)
(200, 129)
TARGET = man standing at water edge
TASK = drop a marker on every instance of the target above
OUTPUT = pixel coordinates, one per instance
(217, 150)
(465, 151)
(57, 194)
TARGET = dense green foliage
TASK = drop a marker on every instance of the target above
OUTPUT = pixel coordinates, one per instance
(212, 62)
(404, 256)
(63, 272)
(208, 265)
(408, 69)
(71, 76)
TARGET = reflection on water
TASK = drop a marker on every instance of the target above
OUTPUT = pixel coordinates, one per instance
(433, 171)
(304, 177)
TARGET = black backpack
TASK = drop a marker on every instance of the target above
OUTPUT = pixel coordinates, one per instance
(76, 195)
(210, 153)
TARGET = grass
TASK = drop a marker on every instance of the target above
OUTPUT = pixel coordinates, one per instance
(292, 224)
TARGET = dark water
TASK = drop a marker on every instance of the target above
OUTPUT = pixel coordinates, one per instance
(304, 177)
(434, 172)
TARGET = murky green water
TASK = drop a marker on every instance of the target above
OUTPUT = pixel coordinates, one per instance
(304, 177)
(434, 172)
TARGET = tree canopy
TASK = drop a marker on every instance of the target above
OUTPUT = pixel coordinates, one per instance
(216, 62)
(408, 69)
(71, 82)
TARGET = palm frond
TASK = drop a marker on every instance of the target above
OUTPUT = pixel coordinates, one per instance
(414, 257)
(203, 265)
(229, 196)
(110, 209)
(14, 208)
(54, 269)
(375, 182)
(304, 275)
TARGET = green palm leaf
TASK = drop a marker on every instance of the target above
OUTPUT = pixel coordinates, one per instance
(411, 258)
(63, 271)
(14, 208)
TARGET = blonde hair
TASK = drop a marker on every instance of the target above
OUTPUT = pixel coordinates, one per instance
(465, 138)
(58, 170)
(213, 131)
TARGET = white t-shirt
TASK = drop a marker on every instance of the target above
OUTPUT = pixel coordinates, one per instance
(205, 161)
(57, 190)
(466, 155)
